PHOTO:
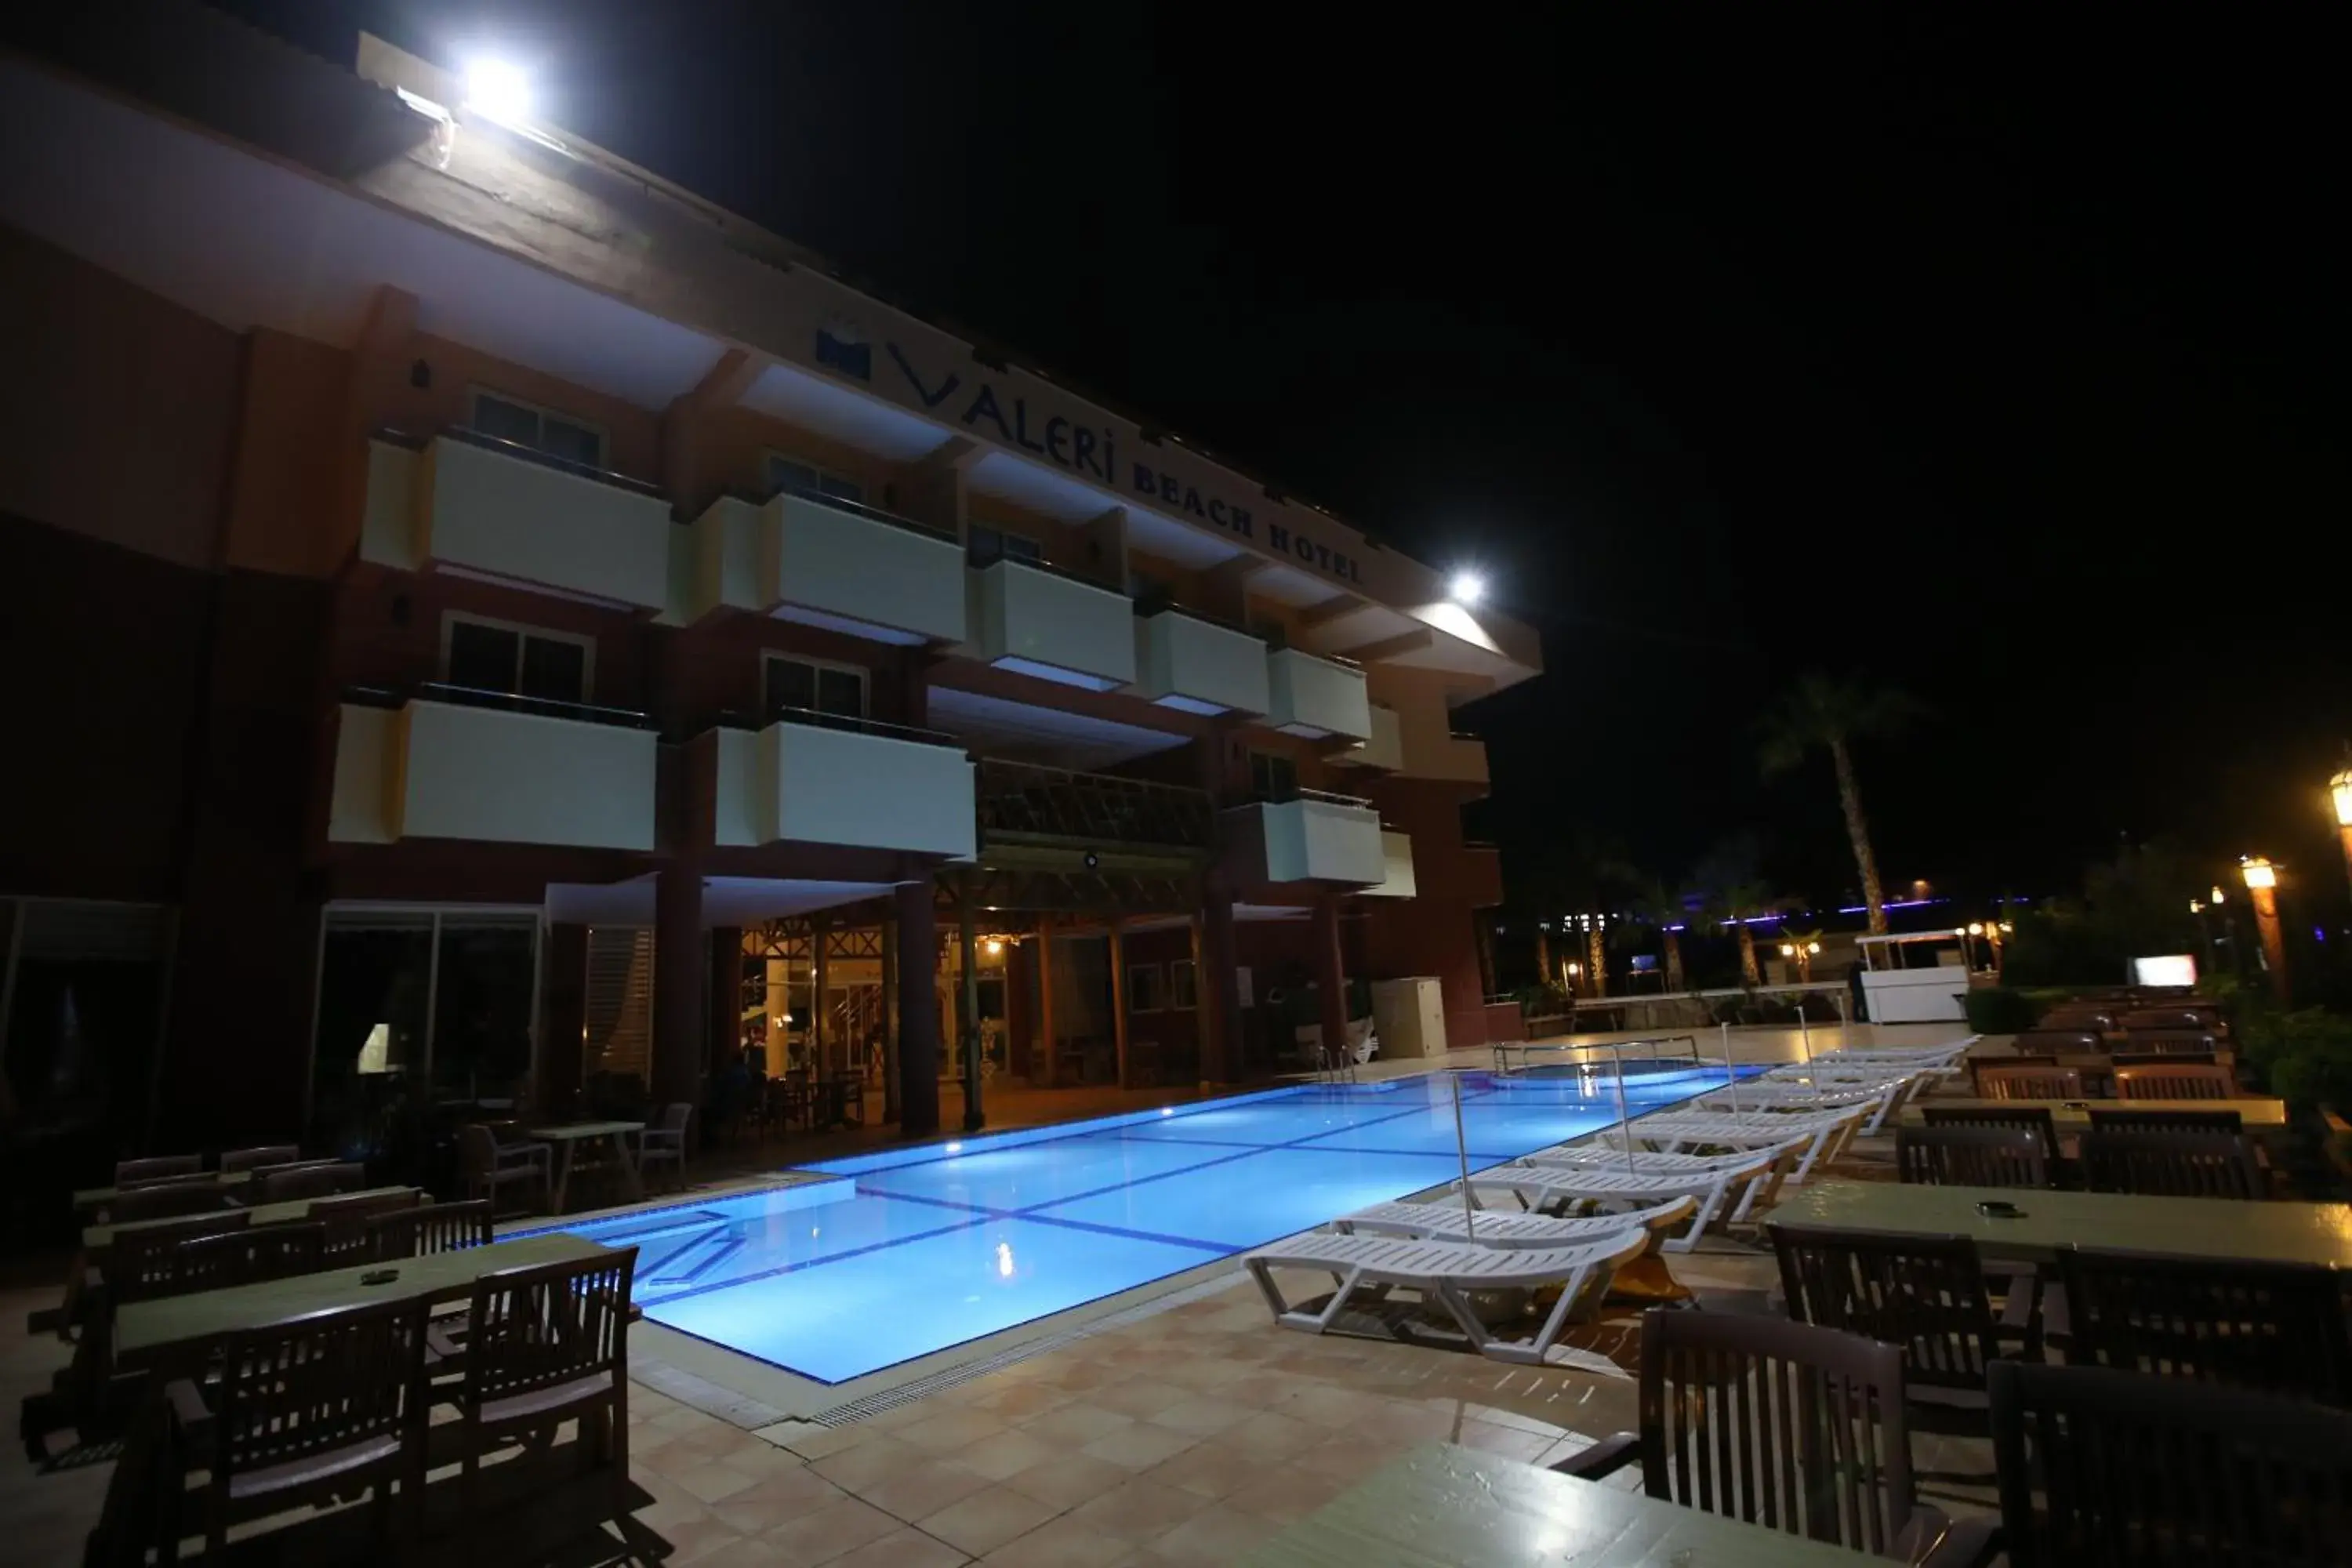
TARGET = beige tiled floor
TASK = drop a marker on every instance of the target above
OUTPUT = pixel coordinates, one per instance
(1185, 1438)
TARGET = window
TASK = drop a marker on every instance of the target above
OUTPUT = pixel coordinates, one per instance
(526, 425)
(1182, 985)
(990, 544)
(806, 478)
(807, 686)
(1151, 595)
(1146, 988)
(493, 656)
(1272, 777)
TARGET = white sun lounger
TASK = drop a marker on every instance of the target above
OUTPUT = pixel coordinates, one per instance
(1504, 1227)
(1446, 1272)
(1676, 1132)
(1878, 1097)
(1757, 1185)
(1551, 1188)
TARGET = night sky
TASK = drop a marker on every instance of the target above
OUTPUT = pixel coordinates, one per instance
(1999, 361)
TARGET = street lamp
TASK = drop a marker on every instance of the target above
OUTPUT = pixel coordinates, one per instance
(2262, 887)
(2340, 788)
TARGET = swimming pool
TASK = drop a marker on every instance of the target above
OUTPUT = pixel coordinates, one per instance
(911, 1250)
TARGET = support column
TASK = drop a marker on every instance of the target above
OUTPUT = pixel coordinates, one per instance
(918, 1010)
(1215, 970)
(1330, 979)
(819, 1033)
(563, 1020)
(1482, 931)
(1118, 1000)
(1049, 1067)
(968, 1006)
(891, 1016)
(726, 995)
(680, 979)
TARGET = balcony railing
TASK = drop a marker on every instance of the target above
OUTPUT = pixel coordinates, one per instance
(1197, 664)
(1022, 801)
(827, 562)
(1039, 620)
(807, 778)
(1317, 696)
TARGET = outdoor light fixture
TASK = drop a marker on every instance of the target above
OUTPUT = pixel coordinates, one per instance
(2340, 786)
(1975, 928)
(995, 946)
(1812, 948)
(496, 90)
(1788, 950)
(2262, 890)
(2216, 894)
(2258, 872)
(1466, 588)
(2006, 927)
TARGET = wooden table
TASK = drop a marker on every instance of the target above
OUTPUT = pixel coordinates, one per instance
(568, 1137)
(1441, 1505)
(97, 1238)
(2262, 1118)
(2200, 1227)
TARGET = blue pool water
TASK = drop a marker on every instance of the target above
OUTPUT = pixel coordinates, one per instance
(912, 1250)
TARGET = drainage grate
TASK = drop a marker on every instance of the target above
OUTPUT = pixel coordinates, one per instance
(874, 1404)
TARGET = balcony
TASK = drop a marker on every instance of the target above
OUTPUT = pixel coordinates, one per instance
(1039, 620)
(829, 563)
(486, 507)
(1396, 854)
(1022, 802)
(1385, 750)
(1482, 876)
(823, 780)
(1314, 838)
(443, 765)
(1457, 759)
(1315, 697)
(1195, 666)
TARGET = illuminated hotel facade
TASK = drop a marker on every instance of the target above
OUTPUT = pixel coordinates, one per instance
(491, 625)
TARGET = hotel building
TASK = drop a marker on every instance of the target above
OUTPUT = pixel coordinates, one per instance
(486, 624)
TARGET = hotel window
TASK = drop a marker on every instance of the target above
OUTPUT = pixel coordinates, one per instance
(1184, 986)
(528, 425)
(495, 656)
(1272, 777)
(806, 478)
(1146, 988)
(993, 544)
(810, 685)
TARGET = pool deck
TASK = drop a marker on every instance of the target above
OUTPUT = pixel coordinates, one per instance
(1177, 1428)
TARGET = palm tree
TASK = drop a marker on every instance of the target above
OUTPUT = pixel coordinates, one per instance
(1736, 893)
(1825, 713)
(1657, 907)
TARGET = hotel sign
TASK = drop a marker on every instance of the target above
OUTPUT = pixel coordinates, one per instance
(1047, 425)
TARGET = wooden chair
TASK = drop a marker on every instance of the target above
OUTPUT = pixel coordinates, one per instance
(2053, 1042)
(2154, 1472)
(2161, 1121)
(260, 1155)
(350, 1238)
(429, 1229)
(2171, 1165)
(248, 1256)
(283, 1186)
(2169, 1042)
(307, 1412)
(2154, 1059)
(2098, 1020)
(1976, 1065)
(166, 1200)
(2004, 1081)
(131, 1173)
(545, 1345)
(143, 1263)
(2198, 1020)
(1926, 1295)
(2033, 1119)
(664, 1143)
(490, 1165)
(2189, 1081)
(1972, 1157)
(2279, 1327)
(1795, 1428)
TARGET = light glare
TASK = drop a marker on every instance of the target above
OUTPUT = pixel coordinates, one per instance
(1466, 589)
(497, 88)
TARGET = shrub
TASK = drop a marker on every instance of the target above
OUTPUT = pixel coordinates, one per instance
(2304, 1058)
(1998, 1010)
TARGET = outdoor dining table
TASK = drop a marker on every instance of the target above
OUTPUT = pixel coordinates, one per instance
(2260, 1116)
(1462, 1508)
(2046, 1221)
(174, 1334)
(97, 1238)
(225, 1182)
(568, 1138)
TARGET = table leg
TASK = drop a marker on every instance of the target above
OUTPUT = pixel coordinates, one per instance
(562, 1173)
(630, 1175)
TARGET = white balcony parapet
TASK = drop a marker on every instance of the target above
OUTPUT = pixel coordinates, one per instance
(447, 770)
(828, 562)
(487, 509)
(1315, 839)
(1196, 666)
(1037, 621)
(1317, 696)
(1396, 850)
(1457, 759)
(868, 787)
(1385, 750)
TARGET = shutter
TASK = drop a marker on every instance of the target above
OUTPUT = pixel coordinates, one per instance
(620, 1002)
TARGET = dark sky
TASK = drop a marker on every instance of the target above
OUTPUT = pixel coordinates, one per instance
(1994, 354)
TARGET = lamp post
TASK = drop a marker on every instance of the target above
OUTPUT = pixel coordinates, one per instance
(2340, 789)
(2262, 887)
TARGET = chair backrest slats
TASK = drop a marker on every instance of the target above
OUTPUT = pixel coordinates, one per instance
(2276, 1327)
(2033, 1119)
(2050, 1041)
(143, 1263)
(165, 1200)
(535, 1327)
(250, 1256)
(2176, 1080)
(294, 1392)
(2168, 1164)
(350, 1238)
(2156, 1119)
(2006, 1082)
(131, 1172)
(1972, 1157)
(1796, 1428)
(263, 1154)
(433, 1227)
(1923, 1294)
(308, 1182)
(2154, 1470)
